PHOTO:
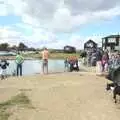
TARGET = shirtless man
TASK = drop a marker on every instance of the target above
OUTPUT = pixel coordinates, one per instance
(45, 55)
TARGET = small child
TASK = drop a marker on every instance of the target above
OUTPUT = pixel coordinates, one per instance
(3, 65)
(66, 63)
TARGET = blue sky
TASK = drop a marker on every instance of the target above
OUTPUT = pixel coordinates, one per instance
(60, 25)
(9, 20)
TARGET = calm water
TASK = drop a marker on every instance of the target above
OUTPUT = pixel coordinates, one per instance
(6, 53)
(31, 67)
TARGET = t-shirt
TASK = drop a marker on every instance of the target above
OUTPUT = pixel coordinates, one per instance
(45, 54)
(4, 64)
(19, 59)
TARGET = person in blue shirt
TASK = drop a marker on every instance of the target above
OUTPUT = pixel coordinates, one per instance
(66, 63)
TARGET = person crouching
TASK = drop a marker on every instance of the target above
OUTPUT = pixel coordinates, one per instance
(3, 64)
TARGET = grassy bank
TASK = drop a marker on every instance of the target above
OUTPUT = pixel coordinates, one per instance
(6, 108)
(52, 55)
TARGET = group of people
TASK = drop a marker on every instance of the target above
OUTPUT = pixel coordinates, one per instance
(71, 63)
(19, 60)
(105, 62)
(4, 64)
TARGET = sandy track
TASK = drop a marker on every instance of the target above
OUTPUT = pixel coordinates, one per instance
(76, 96)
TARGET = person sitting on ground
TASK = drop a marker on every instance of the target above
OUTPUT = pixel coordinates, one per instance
(76, 67)
(3, 64)
(73, 64)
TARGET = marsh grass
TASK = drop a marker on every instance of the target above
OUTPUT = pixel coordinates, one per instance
(20, 100)
(52, 55)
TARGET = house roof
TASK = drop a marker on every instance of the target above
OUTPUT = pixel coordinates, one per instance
(112, 36)
(69, 46)
(90, 41)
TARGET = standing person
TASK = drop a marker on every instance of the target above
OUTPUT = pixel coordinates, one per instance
(105, 59)
(66, 63)
(89, 54)
(93, 59)
(19, 61)
(98, 62)
(117, 61)
(45, 55)
(83, 56)
(3, 65)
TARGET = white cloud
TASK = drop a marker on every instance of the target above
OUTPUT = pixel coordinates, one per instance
(47, 17)
(40, 38)
(66, 15)
(60, 15)
(9, 35)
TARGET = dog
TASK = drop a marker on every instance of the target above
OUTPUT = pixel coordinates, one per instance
(115, 88)
(110, 86)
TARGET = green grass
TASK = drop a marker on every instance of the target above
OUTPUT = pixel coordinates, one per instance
(52, 55)
(21, 100)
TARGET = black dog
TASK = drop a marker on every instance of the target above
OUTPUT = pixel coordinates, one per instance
(116, 90)
(110, 86)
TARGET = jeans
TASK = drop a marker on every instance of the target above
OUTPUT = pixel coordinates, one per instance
(45, 65)
(19, 68)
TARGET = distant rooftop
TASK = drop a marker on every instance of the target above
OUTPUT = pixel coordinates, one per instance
(112, 36)
(90, 41)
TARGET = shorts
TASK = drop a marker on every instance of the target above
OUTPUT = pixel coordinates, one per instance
(45, 62)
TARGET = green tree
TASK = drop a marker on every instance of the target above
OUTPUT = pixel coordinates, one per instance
(22, 46)
(4, 46)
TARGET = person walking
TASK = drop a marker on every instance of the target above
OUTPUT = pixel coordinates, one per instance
(19, 61)
(45, 55)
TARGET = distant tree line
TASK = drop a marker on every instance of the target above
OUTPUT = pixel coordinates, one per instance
(20, 47)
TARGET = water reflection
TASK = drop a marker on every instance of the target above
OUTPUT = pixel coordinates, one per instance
(31, 67)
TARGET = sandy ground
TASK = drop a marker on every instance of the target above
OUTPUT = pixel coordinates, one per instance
(63, 96)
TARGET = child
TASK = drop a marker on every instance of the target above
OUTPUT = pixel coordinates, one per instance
(66, 62)
(3, 65)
